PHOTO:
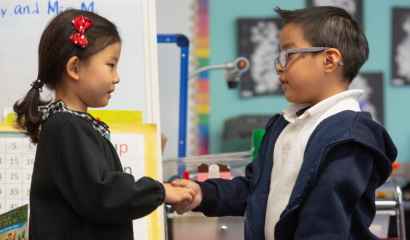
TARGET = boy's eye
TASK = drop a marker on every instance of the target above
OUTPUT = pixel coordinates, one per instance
(290, 54)
(111, 65)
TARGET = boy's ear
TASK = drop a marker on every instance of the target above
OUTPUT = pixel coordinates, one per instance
(333, 56)
(72, 68)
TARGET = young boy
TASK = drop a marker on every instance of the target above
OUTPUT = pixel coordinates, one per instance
(322, 159)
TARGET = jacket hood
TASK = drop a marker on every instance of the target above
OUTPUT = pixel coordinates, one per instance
(373, 136)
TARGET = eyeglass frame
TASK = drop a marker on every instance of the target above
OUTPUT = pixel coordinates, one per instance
(299, 50)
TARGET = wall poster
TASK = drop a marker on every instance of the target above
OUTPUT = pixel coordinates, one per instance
(372, 99)
(258, 40)
(400, 53)
(355, 7)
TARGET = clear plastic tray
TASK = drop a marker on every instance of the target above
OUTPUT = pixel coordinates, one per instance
(237, 161)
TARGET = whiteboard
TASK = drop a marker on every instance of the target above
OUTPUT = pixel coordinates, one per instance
(169, 86)
(24, 21)
(175, 17)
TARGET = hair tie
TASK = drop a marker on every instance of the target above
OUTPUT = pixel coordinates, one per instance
(81, 23)
(38, 84)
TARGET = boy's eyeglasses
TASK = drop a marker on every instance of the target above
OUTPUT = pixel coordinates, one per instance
(282, 59)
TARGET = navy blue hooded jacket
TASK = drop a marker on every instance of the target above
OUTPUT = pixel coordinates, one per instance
(347, 157)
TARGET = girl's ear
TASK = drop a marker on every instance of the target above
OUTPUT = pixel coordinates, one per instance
(72, 68)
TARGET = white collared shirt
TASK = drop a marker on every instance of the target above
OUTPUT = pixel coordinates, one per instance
(290, 147)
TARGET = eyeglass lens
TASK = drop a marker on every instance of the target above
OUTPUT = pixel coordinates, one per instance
(281, 59)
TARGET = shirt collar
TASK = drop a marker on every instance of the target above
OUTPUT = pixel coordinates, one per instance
(289, 113)
(59, 106)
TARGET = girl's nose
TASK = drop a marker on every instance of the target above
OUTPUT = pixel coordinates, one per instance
(117, 79)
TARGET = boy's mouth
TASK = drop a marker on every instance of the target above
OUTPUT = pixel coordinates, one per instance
(283, 81)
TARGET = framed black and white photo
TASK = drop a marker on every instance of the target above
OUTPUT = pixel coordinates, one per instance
(258, 40)
(400, 53)
(355, 7)
(372, 99)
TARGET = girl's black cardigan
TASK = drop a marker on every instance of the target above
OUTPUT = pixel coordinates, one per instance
(79, 189)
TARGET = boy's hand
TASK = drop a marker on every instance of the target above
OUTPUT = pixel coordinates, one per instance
(183, 207)
(178, 194)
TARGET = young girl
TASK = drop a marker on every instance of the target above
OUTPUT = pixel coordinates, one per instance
(79, 189)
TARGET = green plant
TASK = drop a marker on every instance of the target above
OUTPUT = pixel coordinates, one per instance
(22, 236)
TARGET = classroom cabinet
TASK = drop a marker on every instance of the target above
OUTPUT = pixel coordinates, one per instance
(196, 226)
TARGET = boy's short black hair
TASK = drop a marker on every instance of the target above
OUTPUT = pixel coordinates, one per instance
(333, 27)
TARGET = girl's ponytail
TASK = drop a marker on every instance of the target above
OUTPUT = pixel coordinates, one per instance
(28, 116)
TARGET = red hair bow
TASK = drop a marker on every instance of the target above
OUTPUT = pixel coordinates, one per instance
(81, 23)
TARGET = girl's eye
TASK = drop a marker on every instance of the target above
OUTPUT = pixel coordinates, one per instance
(111, 65)
(290, 54)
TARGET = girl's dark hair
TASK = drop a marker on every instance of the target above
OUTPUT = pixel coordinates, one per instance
(333, 27)
(54, 51)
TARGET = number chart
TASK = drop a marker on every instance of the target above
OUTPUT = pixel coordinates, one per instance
(17, 156)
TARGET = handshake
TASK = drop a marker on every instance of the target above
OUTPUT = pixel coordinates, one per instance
(183, 195)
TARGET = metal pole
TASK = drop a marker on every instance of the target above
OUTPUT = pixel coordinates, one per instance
(401, 229)
(206, 68)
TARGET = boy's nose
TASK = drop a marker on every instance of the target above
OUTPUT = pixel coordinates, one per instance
(279, 69)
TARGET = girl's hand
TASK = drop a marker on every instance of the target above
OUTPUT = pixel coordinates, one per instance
(178, 194)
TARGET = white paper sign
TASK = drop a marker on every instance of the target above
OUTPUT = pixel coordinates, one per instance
(130, 149)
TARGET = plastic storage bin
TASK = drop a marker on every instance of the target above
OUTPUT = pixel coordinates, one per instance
(172, 168)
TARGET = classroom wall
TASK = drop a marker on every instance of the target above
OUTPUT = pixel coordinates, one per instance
(225, 103)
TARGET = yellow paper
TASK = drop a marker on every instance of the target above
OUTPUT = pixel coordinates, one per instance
(114, 116)
(7, 127)
(150, 164)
